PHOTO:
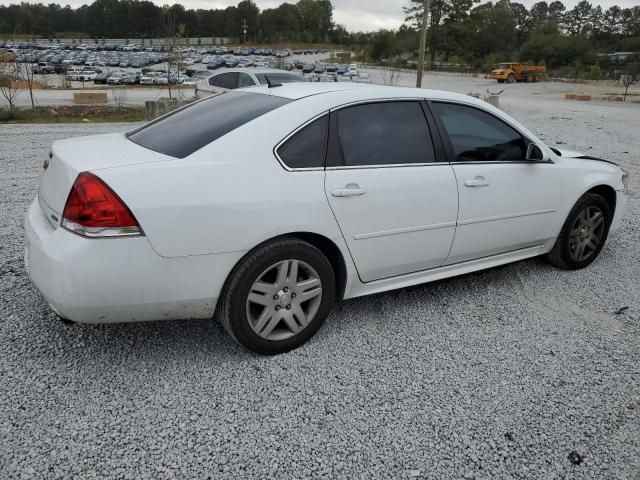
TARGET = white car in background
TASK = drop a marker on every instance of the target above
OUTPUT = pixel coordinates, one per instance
(150, 78)
(352, 71)
(270, 204)
(231, 79)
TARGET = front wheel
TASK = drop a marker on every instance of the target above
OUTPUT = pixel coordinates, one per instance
(583, 234)
(278, 296)
(511, 78)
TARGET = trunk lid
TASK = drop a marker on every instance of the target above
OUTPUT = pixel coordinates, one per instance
(71, 156)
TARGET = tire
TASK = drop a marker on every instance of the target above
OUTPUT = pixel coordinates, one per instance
(272, 320)
(500, 81)
(529, 79)
(536, 78)
(576, 247)
(511, 78)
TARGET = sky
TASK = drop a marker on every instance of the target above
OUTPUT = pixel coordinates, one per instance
(356, 15)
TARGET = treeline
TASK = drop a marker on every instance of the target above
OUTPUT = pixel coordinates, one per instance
(461, 31)
(304, 21)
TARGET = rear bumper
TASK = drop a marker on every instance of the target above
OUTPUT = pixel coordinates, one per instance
(119, 279)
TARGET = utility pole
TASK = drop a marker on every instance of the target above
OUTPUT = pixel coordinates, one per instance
(423, 44)
(244, 30)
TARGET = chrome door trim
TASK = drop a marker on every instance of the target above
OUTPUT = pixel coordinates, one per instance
(396, 231)
(505, 217)
(389, 165)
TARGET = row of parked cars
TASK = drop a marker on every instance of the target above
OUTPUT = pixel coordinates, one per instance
(319, 68)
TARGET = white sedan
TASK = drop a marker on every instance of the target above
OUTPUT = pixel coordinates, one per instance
(267, 205)
(230, 79)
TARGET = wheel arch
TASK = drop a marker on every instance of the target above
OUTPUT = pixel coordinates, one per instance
(608, 193)
(327, 246)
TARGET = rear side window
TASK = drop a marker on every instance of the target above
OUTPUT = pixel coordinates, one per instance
(188, 129)
(477, 136)
(387, 133)
(307, 147)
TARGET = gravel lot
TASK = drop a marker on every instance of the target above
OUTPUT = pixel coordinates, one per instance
(499, 374)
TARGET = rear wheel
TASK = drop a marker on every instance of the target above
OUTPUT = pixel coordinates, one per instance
(278, 297)
(583, 234)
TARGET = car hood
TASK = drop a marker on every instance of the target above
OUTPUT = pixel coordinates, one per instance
(579, 155)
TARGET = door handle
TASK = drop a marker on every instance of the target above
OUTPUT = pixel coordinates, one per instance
(479, 181)
(351, 190)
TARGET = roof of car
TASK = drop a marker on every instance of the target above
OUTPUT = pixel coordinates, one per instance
(254, 70)
(298, 90)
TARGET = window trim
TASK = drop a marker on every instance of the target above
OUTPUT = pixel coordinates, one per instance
(448, 146)
(436, 142)
(299, 128)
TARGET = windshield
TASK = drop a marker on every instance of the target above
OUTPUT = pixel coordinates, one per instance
(190, 128)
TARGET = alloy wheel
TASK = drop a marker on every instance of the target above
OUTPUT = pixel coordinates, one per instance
(284, 300)
(586, 233)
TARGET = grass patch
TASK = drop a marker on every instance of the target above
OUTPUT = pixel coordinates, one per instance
(73, 114)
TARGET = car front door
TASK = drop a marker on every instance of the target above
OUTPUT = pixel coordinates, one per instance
(507, 202)
(396, 205)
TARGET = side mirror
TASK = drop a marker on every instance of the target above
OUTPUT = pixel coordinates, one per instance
(534, 153)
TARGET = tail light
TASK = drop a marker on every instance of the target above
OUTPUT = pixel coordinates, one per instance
(94, 210)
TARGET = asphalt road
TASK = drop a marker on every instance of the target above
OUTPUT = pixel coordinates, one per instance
(523, 371)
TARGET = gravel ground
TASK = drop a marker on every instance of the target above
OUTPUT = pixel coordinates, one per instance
(499, 374)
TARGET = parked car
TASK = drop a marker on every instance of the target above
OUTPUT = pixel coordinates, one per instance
(307, 68)
(121, 78)
(86, 75)
(153, 78)
(319, 69)
(326, 77)
(274, 205)
(352, 71)
(231, 62)
(44, 68)
(239, 78)
(101, 78)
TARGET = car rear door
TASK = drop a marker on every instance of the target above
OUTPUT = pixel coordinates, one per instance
(507, 202)
(395, 203)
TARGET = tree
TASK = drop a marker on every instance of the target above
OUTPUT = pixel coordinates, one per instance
(171, 32)
(9, 76)
(27, 75)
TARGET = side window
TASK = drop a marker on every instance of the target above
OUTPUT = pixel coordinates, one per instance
(245, 80)
(385, 133)
(306, 149)
(225, 80)
(477, 136)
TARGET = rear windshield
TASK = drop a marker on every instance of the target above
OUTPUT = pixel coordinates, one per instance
(188, 129)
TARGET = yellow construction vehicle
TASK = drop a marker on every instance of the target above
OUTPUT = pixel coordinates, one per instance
(517, 72)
